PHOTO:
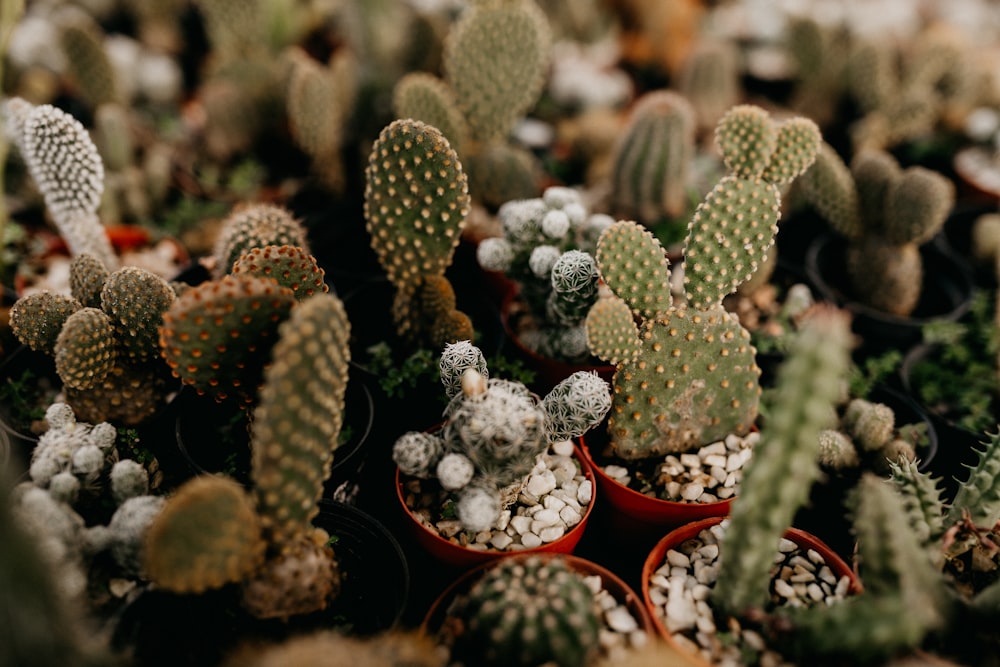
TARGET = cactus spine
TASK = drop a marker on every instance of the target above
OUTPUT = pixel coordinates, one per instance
(528, 611)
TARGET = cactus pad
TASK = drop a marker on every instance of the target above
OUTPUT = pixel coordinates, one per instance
(747, 138)
(136, 299)
(611, 331)
(36, 319)
(85, 350)
(291, 266)
(424, 97)
(254, 226)
(634, 266)
(86, 279)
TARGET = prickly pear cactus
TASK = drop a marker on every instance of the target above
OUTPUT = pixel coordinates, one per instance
(528, 611)
(424, 97)
(251, 226)
(136, 300)
(85, 351)
(37, 319)
(686, 375)
(291, 266)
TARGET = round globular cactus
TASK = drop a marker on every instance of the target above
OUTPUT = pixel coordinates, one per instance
(255, 226)
(528, 611)
(455, 359)
(216, 336)
(37, 319)
(291, 266)
(85, 349)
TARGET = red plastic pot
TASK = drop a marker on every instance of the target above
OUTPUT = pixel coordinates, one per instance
(637, 514)
(454, 554)
(657, 556)
(548, 371)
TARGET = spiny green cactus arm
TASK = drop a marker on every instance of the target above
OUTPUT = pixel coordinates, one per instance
(67, 169)
(85, 349)
(652, 160)
(980, 494)
(251, 226)
(86, 279)
(829, 186)
(416, 200)
(747, 138)
(728, 238)
(781, 473)
(291, 266)
(797, 142)
(917, 205)
(37, 319)
(235, 28)
(299, 415)
(528, 612)
(206, 535)
(921, 499)
(89, 64)
(874, 173)
(495, 58)
(612, 334)
(136, 300)
(633, 264)
(424, 97)
(217, 336)
(500, 171)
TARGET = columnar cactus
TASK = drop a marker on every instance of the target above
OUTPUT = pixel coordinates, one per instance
(650, 173)
(885, 213)
(528, 611)
(785, 462)
(416, 203)
(687, 375)
(547, 249)
(494, 432)
(252, 226)
(67, 168)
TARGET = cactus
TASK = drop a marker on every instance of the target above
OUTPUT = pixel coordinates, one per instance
(298, 418)
(128, 395)
(302, 578)
(235, 28)
(494, 59)
(692, 377)
(785, 461)
(885, 213)
(425, 97)
(86, 279)
(251, 226)
(710, 81)
(816, 52)
(291, 266)
(416, 203)
(650, 173)
(389, 648)
(85, 351)
(500, 172)
(528, 611)
(37, 319)
(136, 300)
(494, 431)
(207, 535)
(217, 335)
(67, 169)
(547, 249)
(89, 64)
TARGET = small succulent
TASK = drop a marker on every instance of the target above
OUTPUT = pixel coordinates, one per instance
(547, 250)
(494, 431)
(686, 375)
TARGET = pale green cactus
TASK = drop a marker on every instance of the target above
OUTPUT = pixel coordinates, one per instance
(424, 97)
(89, 65)
(710, 81)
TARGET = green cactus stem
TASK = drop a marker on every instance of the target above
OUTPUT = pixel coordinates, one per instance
(528, 611)
(86, 279)
(251, 226)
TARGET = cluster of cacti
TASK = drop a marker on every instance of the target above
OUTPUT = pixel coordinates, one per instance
(785, 463)
(416, 203)
(650, 173)
(494, 432)
(104, 338)
(67, 169)
(494, 62)
(686, 375)
(529, 611)
(866, 437)
(212, 532)
(547, 248)
(885, 213)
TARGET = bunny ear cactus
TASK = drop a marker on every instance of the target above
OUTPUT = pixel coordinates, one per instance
(251, 226)
(495, 57)
(416, 203)
(424, 97)
(291, 266)
(687, 374)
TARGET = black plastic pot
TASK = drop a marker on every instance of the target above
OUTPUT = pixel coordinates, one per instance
(162, 628)
(946, 294)
(30, 381)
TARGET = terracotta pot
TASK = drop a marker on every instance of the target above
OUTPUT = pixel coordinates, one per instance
(436, 615)
(635, 515)
(657, 556)
(548, 371)
(453, 554)
(946, 293)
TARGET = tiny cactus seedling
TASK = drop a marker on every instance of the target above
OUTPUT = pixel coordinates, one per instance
(686, 375)
(529, 611)
(494, 432)
(885, 213)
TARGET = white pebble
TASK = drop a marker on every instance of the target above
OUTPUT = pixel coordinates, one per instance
(530, 540)
(620, 620)
(585, 493)
(552, 533)
(691, 491)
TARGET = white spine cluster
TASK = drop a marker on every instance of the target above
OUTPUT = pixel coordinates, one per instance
(67, 169)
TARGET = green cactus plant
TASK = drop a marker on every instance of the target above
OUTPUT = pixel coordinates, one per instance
(136, 299)
(250, 226)
(416, 203)
(423, 96)
(547, 250)
(36, 319)
(89, 65)
(692, 378)
(651, 166)
(494, 431)
(529, 611)
(291, 266)
(85, 351)
(87, 276)
(709, 80)
(501, 171)
(885, 213)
